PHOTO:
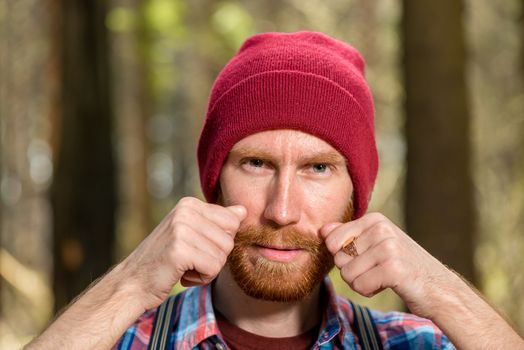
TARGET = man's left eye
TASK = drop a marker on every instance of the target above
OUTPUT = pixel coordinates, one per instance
(320, 168)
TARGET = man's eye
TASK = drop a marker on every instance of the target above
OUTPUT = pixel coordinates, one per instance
(320, 168)
(256, 162)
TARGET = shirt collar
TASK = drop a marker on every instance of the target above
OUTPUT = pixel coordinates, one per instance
(198, 322)
(338, 317)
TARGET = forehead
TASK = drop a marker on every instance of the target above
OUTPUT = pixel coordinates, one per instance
(285, 144)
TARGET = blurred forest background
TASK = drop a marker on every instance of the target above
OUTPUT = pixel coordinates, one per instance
(101, 104)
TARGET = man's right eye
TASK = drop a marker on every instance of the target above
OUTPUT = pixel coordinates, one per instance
(256, 162)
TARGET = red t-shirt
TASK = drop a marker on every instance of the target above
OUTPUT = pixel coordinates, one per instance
(239, 339)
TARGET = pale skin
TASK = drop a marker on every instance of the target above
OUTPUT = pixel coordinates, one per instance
(279, 177)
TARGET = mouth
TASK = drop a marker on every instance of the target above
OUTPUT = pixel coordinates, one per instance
(277, 253)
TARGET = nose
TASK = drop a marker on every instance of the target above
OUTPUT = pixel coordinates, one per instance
(284, 201)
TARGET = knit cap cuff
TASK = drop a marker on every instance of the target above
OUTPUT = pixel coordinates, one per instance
(288, 99)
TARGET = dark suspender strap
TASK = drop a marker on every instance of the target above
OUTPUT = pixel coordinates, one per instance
(161, 332)
(366, 330)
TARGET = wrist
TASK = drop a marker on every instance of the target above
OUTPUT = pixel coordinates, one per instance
(449, 297)
(98, 318)
(123, 290)
(468, 319)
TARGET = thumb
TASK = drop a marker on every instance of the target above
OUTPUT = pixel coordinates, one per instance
(239, 210)
(328, 228)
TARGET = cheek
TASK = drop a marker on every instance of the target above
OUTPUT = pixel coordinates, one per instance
(250, 194)
(326, 203)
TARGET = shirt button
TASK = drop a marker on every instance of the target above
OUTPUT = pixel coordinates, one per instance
(219, 346)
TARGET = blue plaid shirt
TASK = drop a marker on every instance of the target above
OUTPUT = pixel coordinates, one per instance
(195, 326)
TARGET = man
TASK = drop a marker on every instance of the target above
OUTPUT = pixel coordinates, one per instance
(287, 161)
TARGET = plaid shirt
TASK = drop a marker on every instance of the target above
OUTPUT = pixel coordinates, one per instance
(195, 326)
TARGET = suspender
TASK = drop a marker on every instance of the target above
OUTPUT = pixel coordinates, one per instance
(366, 330)
(161, 334)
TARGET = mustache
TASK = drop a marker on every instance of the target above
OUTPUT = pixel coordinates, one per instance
(283, 238)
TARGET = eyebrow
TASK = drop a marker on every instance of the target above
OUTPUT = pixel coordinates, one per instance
(317, 158)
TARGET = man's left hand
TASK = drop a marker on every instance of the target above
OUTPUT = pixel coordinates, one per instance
(387, 258)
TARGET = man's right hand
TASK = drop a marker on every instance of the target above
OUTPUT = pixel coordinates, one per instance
(190, 245)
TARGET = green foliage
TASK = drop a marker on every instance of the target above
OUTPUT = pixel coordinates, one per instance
(233, 23)
(163, 32)
(165, 18)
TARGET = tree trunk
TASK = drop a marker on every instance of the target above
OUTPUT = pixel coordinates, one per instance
(83, 191)
(133, 108)
(440, 212)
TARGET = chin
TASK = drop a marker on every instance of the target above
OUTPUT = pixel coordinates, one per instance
(276, 281)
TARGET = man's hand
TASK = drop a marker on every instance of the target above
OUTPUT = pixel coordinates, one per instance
(191, 244)
(389, 258)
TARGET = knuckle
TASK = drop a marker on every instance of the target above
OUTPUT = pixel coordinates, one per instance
(177, 253)
(216, 265)
(234, 223)
(186, 201)
(347, 274)
(383, 229)
(183, 201)
(368, 293)
(339, 260)
(230, 220)
(229, 244)
(381, 233)
(179, 231)
(222, 260)
(362, 288)
(179, 227)
(356, 285)
(206, 278)
(331, 244)
(228, 228)
(394, 267)
(389, 246)
(376, 216)
(180, 214)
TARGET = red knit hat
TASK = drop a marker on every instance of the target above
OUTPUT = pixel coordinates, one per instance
(304, 81)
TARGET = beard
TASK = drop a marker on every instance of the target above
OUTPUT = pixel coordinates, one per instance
(270, 280)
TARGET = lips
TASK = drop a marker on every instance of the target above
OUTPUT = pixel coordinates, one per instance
(277, 247)
(278, 253)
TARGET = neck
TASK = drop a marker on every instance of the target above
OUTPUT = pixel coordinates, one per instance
(265, 318)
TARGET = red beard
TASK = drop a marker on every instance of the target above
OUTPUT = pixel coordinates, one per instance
(278, 281)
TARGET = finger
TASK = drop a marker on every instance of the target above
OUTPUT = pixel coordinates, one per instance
(356, 225)
(199, 254)
(368, 240)
(371, 282)
(207, 260)
(362, 263)
(373, 233)
(191, 278)
(228, 218)
(239, 210)
(341, 259)
(327, 228)
(186, 283)
(214, 233)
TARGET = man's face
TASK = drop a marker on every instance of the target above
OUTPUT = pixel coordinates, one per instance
(291, 183)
